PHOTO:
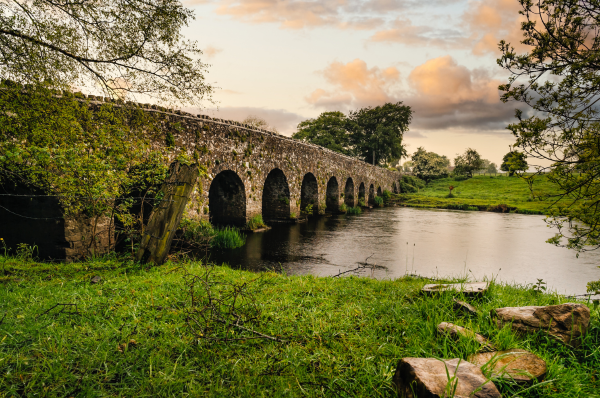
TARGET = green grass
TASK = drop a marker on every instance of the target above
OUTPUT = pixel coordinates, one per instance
(483, 192)
(344, 336)
(228, 238)
(255, 222)
(354, 210)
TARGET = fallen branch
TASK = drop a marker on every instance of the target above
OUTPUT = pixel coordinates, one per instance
(361, 266)
(64, 307)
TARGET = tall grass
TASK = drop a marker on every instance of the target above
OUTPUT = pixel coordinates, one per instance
(354, 210)
(255, 222)
(228, 238)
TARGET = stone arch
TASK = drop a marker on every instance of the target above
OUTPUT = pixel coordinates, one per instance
(371, 195)
(394, 187)
(276, 197)
(379, 192)
(349, 192)
(227, 199)
(361, 192)
(332, 200)
(309, 193)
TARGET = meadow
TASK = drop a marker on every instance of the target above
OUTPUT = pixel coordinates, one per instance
(110, 327)
(483, 192)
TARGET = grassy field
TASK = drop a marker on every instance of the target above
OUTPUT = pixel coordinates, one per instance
(482, 192)
(138, 332)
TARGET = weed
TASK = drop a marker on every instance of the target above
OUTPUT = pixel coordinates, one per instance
(354, 210)
(308, 210)
(343, 208)
(255, 222)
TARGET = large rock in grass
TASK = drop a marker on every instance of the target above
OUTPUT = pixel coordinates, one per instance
(569, 322)
(519, 365)
(428, 377)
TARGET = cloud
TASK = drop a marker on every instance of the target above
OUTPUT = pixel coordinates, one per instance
(480, 29)
(404, 32)
(297, 14)
(285, 122)
(442, 93)
(211, 51)
(354, 84)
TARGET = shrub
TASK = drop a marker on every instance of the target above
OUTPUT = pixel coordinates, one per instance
(199, 232)
(387, 195)
(410, 184)
(228, 238)
(460, 178)
(308, 210)
(354, 210)
(255, 222)
(343, 208)
(361, 203)
(378, 201)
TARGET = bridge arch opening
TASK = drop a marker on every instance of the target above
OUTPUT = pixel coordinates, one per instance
(276, 197)
(332, 200)
(309, 194)
(371, 195)
(227, 199)
(349, 192)
(361, 192)
(379, 192)
(394, 187)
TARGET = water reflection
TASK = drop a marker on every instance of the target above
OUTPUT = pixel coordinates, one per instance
(426, 242)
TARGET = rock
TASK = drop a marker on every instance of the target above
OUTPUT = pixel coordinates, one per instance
(568, 322)
(426, 377)
(95, 279)
(465, 288)
(456, 331)
(464, 307)
(519, 365)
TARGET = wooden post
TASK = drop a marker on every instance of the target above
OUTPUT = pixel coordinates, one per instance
(166, 216)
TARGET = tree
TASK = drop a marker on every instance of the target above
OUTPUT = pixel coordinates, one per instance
(514, 161)
(407, 166)
(492, 169)
(377, 133)
(329, 130)
(132, 46)
(428, 165)
(559, 80)
(258, 123)
(468, 162)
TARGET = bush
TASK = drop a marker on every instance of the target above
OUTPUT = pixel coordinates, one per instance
(199, 232)
(411, 184)
(361, 203)
(460, 178)
(378, 201)
(343, 208)
(354, 210)
(255, 222)
(308, 210)
(387, 195)
(228, 238)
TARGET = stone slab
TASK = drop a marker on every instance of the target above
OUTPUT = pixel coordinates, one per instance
(428, 377)
(516, 364)
(473, 288)
(569, 322)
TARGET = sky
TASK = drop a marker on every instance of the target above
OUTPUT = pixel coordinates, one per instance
(289, 60)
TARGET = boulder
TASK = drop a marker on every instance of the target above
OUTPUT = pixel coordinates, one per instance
(456, 332)
(469, 289)
(569, 322)
(519, 365)
(428, 377)
(464, 307)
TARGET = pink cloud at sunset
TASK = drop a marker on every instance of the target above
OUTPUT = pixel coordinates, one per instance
(443, 93)
(355, 85)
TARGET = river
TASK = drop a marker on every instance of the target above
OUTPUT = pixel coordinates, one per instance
(401, 240)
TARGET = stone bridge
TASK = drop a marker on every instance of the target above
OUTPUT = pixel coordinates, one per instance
(252, 171)
(247, 172)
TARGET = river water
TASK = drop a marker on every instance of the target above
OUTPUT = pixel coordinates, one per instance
(401, 240)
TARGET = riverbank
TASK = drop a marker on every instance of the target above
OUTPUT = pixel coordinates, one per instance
(484, 193)
(108, 327)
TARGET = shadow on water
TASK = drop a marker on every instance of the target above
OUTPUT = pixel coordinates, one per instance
(510, 247)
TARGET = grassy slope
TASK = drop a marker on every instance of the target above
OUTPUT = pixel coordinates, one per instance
(346, 335)
(483, 191)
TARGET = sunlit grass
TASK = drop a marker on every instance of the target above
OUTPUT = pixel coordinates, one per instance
(344, 336)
